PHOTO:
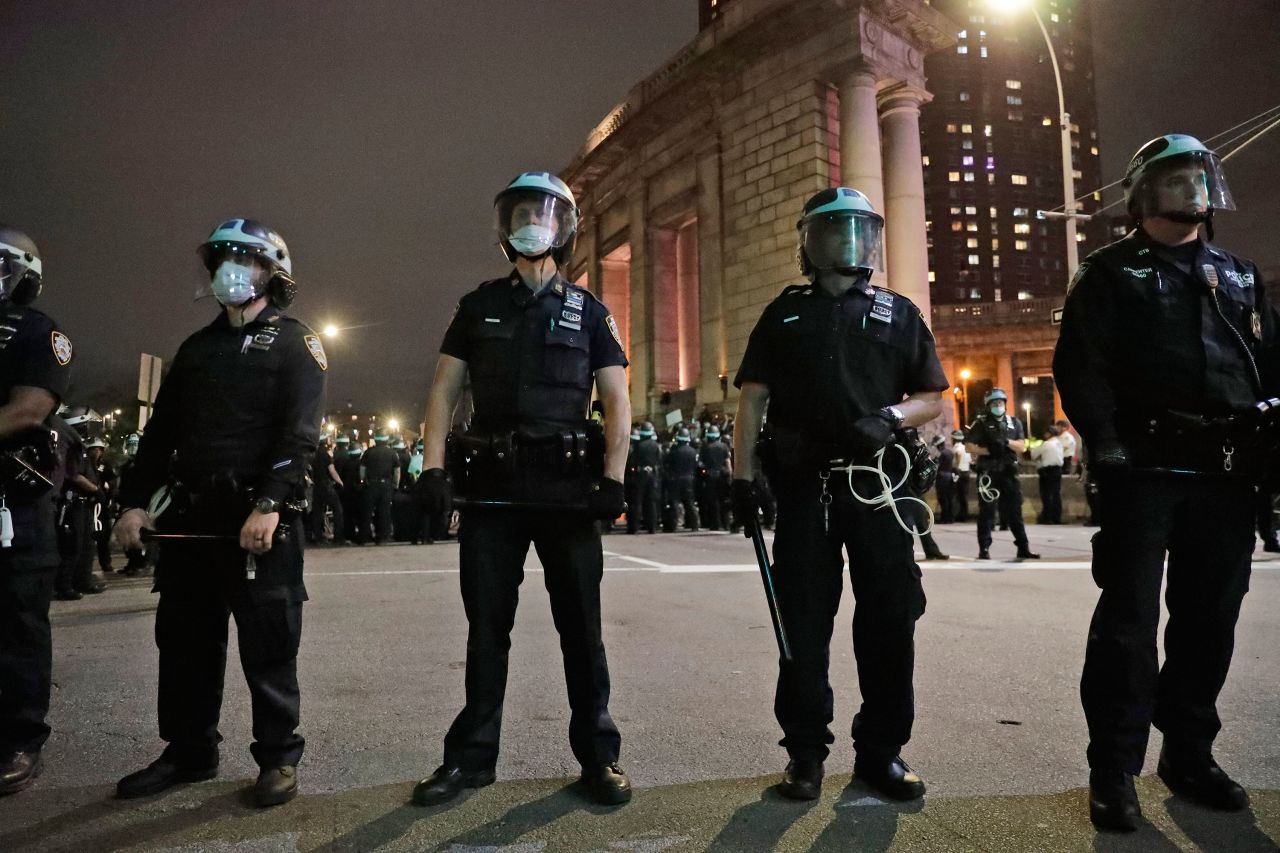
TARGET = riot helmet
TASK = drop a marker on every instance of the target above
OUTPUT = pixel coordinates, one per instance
(246, 260)
(21, 271)
(536, 215)
(996, 402)
(841, 231)
(1176, 177)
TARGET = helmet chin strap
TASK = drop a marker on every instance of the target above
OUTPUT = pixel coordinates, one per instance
(539, 267)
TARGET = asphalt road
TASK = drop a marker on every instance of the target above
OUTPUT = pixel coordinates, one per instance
(999, 735)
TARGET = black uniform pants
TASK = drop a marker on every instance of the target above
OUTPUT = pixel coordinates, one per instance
(1207, 529)
(684, 493)
(1010, 506)
(493, 548)
(718, 488)
(961, 496)
(1266, 517)
(75, 542)
(1051, 494)
(946, 489)
(26, 658)
(100, 524)
(808, 577)
(377, 509)
(647, 504)
(323, 498)
(352, 499)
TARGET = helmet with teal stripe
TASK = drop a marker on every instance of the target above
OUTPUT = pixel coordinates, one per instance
(245, 260)
(536, 215)
(21, 271)
(1176, 177)
(841, 231)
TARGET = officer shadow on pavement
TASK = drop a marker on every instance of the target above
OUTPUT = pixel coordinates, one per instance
(526, 817)
(760, 825)
(863, 821)
(1216, 830)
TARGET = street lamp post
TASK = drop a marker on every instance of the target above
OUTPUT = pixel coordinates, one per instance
(1026, 407)
(964, 394)
(1064, 125)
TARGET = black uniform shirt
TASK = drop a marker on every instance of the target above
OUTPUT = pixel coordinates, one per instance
(829, 361)
(1140, 335)
(530, 368)
(33, 354)
(245, 401)
(348, 467)
(946, 459)
(648, 453)
(682, 461)
(380, 463)
(320, 467)
(714, 454)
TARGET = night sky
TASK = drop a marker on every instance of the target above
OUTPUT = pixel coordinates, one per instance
(373, 136)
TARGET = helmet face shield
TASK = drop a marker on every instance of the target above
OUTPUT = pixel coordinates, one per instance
(843, 240)
(236, 274)
(15, 266)
(1187, 185)
(534, 222)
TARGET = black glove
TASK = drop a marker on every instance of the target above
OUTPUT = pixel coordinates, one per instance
(746, 505)
(1110, 456)
(872, 432)
(607, 500)
(437, 492)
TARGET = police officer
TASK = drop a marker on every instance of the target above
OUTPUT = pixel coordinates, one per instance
(718, 469)
(80, 492)
(346, 461)
(946, 483)
(1167, 345)
(681, 470)
(995, 439)
(35, 359)
(234, 426)
(963, 461)
(648, 462)
(533, 344)
(104, 507)
(136, 562)
(380, 473)
(864, 356)
(325, 482)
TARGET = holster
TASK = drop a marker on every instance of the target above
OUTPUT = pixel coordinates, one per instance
(27, 470)
(501, 463)
(1239, 446)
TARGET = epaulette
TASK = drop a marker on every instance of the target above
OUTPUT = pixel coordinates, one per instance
(797, 290)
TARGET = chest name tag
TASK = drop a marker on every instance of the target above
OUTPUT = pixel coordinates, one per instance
(262, 340)
(492, 320)
(791, 319)
(1139, 273)
(885, 299)
(883, 313)
(573, 299)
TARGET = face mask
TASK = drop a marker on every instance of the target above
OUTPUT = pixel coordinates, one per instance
(532, 240)
(233, 284)
(998, 410)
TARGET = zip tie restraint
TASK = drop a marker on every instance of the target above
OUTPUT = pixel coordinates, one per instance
(887, 488)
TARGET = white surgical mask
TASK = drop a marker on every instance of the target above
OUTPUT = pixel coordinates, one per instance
(233, 283)
(532, 239)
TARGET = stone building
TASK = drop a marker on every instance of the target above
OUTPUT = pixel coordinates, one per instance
(692, 185)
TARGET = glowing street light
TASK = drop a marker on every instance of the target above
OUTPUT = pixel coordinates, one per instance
(964, 396)
(330, 331)
(393, 424)
(1026, 407)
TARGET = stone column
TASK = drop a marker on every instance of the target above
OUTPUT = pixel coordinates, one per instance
(860, 136)
(714, 342)
(905, 239)
(641, 280)
(1004, 379)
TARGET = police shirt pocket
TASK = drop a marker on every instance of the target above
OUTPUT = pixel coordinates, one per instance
(492, 347)
(567, 358)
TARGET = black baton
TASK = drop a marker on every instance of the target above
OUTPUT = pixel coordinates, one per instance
(148, 535)
(766, 575)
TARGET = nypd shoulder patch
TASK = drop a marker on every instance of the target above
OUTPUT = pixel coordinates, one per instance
(61, 348)
(613, 330)
(316, 348)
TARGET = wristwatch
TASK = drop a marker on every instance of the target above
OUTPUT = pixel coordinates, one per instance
(266, 505)
(895, 416)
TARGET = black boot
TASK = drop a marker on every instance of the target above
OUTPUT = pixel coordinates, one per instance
(1026, 554)
(18, 770)
(447, 782)
(1113, 801)
(160, 775)
(984, 554)
(1200, 778)
(890, 776)
(607, 785)
(275, 785)
(802, 780)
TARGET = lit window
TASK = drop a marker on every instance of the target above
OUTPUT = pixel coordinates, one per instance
(957, 225)
(1053, 16)
(1020, 245)
(991, 164)
(971, 243)
(991, 179)
(968, 177)
(975, 293)
(955, 211)
(966, 128)
(974, 260)
(964, 34)
(954, 177)
(1046, 121)
(982, 51)
(971, 226)
(1093, 149)
(1024, 294)
(967, 160)
(1077, 174)
(992, 213)
(995, 264)
(1018, 180)
(964, 96)
(1079, 236)
(964, 48)
(1013, 84)
(971, 211)
(951, 128)
(966, 144)
(1021, 211)
(924, 161)
(932, 276)
(1014, 100)
(1021, 228)
(1014, 115)
(995, 244)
